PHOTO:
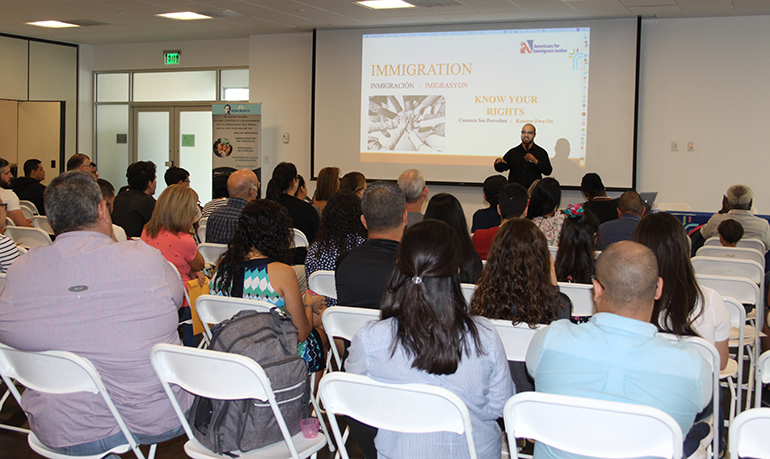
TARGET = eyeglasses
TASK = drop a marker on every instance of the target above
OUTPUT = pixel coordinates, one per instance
(4, 205)
(527, 132)
(600, 283)
(187, 181)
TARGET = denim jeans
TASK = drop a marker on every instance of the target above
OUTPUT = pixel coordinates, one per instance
(106, 444)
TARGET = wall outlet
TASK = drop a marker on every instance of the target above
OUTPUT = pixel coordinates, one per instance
(285, 137)
(674, 145)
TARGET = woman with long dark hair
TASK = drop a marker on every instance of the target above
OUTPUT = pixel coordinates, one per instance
(577, 246)
(684, 307)
(281, 189)
(519, 284)
(255, 267)
(427, 336)
(327, 184)
(341, 230)
(543, 211)
(447, 208)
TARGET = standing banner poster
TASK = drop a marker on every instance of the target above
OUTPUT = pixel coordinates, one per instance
(236, 136)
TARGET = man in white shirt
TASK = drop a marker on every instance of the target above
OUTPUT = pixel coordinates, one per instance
(738, 201)
(9, 197)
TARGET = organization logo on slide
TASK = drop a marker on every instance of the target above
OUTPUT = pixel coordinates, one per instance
(526, 47)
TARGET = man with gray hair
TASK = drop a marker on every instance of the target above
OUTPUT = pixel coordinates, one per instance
(108, 302)
(243, 187)
(618, 355)
(362, 274)
(736, 205)
(412, 184)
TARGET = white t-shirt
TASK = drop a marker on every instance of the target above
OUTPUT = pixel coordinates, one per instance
(10, 198)
(713, 324)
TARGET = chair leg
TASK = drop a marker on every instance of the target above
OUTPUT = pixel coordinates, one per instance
(5, 426)
(314, 402)
(153, 447)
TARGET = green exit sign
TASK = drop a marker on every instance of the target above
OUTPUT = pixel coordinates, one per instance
(171, 57)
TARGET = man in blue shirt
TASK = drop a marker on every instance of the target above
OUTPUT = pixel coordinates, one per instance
(630, 211)
(617, 355)
(243, 187)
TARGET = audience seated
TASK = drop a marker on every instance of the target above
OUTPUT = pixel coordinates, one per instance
(177, 176)
(105, 301)
(362, 274)
(243, 188)
(170, 231)
(80, 162)
(132, 209)
(281, 189)
(684, 307)
(427, 336)
(341, 230)
(301, 193)
(519, 284)
(412, 184)
(577, 244)
(254, 267)
(8, 250)
(29, 188)
(736, 205)
(630, 210)
(542, 209)
(327, 184)
(355, 182)
(219, 194)
(512, 203)
(597, 201)
(617, 355)
(489, 217)
(730, 232)
(447, 208)
(8, 197)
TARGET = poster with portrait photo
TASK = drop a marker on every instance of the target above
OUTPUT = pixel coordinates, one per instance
(236, 132)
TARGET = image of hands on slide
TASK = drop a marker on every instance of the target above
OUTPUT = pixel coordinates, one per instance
(406, 123)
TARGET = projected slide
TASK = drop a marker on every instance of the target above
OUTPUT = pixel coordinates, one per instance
(461, 97)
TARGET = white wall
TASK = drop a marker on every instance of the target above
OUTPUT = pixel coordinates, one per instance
(86, 100)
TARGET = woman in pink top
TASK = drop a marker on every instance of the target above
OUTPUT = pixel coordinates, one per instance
(170, 231)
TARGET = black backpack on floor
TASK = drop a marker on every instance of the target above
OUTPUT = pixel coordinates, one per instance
(270, 339)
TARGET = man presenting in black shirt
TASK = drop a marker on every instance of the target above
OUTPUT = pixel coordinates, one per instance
(526, 162)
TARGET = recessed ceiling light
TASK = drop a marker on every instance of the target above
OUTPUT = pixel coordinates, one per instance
(184, 16)
(52, 24)
(385, 4)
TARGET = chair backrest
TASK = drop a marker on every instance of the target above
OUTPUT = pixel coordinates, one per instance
(41, 221)
(2, 282)
(553, 250)
(56, 372)
(201, 232)
(26, 212)
(582, 297)
(732, 252)
(412, 408)
(9, 222)
(595, 428)
(674, 206)
(28, 237)
(762, 376)
(29, 205)
(299, 238)
(711, 356)
(119, 232)
(733, 267)
(748, 434)
(212, 252)
(746, 243)
(740, 288)
(323, 283)
(515, 338)
(344, 322)
(468, 290)
(213, 374)
(213, 309)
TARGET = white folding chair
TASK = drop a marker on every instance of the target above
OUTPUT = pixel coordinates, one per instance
(28, 237)
(9, 222)
(59, 372)
(747, 243)
(734, 371)
(323, 283)
(119, 232)
(468, 290)
(26, 212)
(212, 309)
(553, 251)
(515, 338)
(408, 408)
(30, 206)
(41, 221)
(225, 376)
(595, 428)
(673, 207)
(212, 252)
(3, 399)
(733, 267)
(2, 282)
(299, 239)
(202, 229)
(749, 434)
(762, 376)
(344, 322)
(711, 356)
(732, 252)
(582, 297)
